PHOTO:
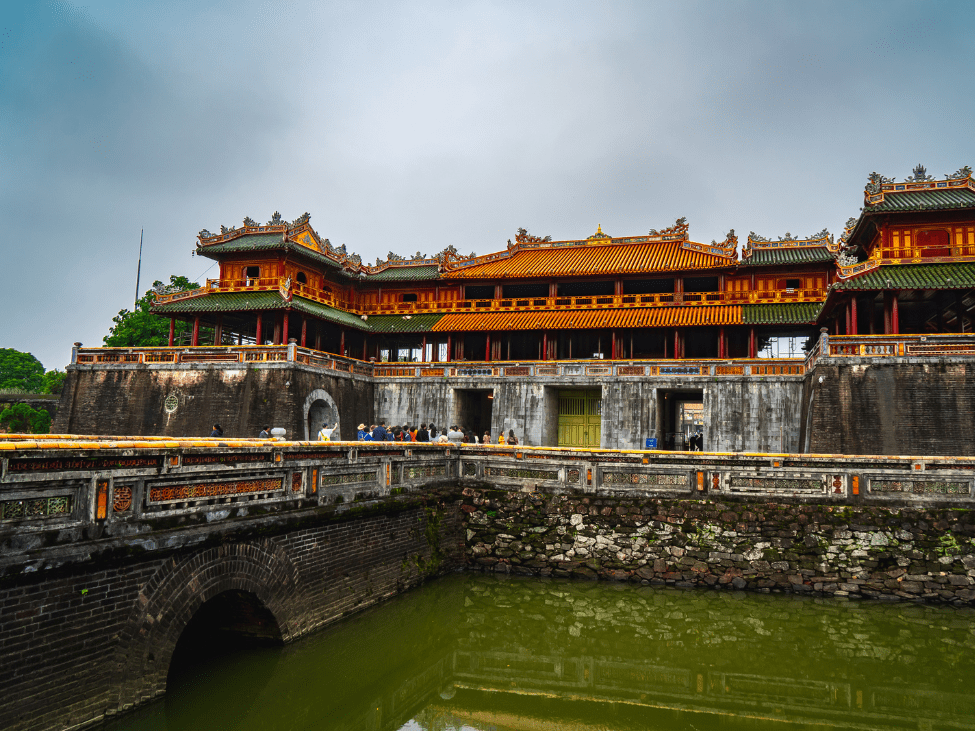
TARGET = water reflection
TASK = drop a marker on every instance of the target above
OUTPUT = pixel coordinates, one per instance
(484, 653)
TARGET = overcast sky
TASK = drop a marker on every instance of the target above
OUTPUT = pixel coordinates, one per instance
(411, 126)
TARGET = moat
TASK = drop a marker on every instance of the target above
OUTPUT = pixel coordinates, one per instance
(488, 653)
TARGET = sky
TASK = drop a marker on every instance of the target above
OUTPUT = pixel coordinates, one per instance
(412, 126)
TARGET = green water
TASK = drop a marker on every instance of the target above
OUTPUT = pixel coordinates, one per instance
(474, 652)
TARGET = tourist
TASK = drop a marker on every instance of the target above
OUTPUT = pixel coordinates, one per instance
(413, 431)
(390, 437)
(442, 438)
(455, 435)
(379, 432)
(486, 439)
(325, 433)
(512, 439)
(217, 432)
(501, 437)
(362, 433)
(422, 435)
(433, 432)
(265, 433)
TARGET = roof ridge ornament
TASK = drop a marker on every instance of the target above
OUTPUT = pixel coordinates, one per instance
(920, 175)
(962, 172)
(876, 180)
(598, 235)
(523, 237)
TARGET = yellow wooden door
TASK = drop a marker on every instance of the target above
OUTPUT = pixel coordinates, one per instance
(580, 418)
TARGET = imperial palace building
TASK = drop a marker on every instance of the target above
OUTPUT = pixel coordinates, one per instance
(600, 341)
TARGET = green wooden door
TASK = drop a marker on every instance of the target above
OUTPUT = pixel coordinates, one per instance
(580, 418)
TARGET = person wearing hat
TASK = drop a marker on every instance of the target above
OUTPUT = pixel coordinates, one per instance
(363, 432)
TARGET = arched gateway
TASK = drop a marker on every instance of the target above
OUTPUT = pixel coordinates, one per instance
(179, 588)
(319, 408)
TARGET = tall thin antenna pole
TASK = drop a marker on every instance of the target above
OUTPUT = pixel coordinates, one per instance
(138, 272)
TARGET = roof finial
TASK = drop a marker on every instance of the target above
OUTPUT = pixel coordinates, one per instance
(599, 228)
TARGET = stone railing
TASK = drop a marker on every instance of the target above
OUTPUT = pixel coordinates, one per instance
(804, 477)
(220, 354)
(61, 482)
(65, 483)
(941, 344)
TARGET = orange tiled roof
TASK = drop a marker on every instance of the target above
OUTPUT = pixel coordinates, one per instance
(574, 319)
(590, 259)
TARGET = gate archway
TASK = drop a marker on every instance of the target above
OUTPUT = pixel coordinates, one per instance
(319, 408)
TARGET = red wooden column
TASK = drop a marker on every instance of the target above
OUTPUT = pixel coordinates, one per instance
(487, 347)
(677, 348)
(341, 342)
(752, 344)
(365, 352)
(259, 337)
(304, 331)
(284, 328)
(218, 330)
(853, 315)
(722, 345)
(545, 345)
(196, 330)
(423, 349)
(450, 345)
(894, 317)
(612, 350)
(172, 330)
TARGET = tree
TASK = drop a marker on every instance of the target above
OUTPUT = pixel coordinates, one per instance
(141, 328)
(20, 371)
(53, 381)
(23, 419)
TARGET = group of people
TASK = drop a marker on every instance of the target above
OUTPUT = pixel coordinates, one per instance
(427, 433)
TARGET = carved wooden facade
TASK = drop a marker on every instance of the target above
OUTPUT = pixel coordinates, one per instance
(906, 264)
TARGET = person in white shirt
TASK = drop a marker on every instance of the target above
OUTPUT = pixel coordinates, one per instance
(325, 433)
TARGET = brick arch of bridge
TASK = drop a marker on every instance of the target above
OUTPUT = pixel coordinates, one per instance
(179, 588)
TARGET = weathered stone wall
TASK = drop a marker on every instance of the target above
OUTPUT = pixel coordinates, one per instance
(879, 406)
(95, 637)
(748, 415)
(131, 399)
(858, 550)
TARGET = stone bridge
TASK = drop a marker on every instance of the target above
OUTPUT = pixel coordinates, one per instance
(109, 547)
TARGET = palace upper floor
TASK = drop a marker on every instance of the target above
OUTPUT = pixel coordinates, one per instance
(918, 221)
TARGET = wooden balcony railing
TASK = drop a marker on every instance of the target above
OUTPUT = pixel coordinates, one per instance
(507, 304)
(940, 344)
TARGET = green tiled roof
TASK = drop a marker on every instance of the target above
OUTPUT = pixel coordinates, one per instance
(791, 313)
(242, 301)
(339, 317)
(913, 276)
(925, 200)
(396, 323)
(264, 242)
(787, 256)
(395, 274)
(223, 302)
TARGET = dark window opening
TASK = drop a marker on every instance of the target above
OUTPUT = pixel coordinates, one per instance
(479, 292)
(648, 286)
(581, 289)
(301, 278)
(253, 273)
(701, 284)
(793, 284)
(409, 298)
(533, 289)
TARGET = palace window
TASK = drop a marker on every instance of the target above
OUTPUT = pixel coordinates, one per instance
(648, 286)
(582, 289)
(479, 292)
(701, 284)
(301, 278)
(533, 289)
(409, 297)
(252, 273)
(793, 284)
